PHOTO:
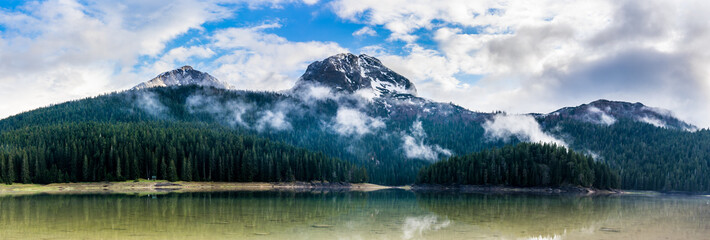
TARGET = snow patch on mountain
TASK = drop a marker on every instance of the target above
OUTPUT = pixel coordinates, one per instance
(351, 73)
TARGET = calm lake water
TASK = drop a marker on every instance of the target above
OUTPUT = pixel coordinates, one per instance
(352, 215)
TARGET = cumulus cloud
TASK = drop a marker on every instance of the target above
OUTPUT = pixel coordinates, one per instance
(523, 127)
(516, 56)
(179, 55)
(365, 31)
(414, 146)
(539, 56)
(254, 59)
(58, 50)
(349, 121)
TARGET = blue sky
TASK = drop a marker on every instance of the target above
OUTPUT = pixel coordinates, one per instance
(486, 55)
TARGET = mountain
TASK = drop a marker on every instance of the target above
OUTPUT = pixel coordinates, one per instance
(608, 112)
(184, 76)
(350, 73)
(391, 132)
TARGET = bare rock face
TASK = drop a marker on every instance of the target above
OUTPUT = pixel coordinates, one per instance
(183, 76)
(351, 73)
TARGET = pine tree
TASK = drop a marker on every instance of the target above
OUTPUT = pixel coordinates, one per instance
(136, 170)
(10, 176)
(163, 169)
(85, 169)
(3, 169)
(119, 177)
(25, 167)
(187, 168)
(172, 171)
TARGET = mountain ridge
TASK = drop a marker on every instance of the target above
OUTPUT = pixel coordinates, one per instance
(394, 135)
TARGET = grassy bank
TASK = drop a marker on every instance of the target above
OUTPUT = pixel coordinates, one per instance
(504, 189)
(147, 186)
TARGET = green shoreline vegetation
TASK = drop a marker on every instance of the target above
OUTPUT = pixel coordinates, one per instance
(522, 165)
(143, 186)
(204, 156)
(99, 152)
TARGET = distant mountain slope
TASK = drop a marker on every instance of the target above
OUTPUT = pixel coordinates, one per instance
(608, 112)
(183, 76)
(393, 133)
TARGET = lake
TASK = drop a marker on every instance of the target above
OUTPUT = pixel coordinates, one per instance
(389, 214)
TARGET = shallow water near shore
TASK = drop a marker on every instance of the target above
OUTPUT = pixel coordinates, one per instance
(387, 214)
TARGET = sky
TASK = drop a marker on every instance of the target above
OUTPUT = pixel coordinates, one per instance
(487, 55)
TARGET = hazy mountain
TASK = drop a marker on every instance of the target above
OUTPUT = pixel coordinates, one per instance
(608, 112)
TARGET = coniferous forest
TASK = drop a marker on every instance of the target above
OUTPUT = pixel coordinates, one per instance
(522, 165)
(90, 152)
(645, 157)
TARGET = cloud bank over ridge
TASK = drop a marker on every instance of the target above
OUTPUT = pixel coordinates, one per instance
(516, 56)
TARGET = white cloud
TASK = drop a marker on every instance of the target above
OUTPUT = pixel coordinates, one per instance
(414, 146)
(542, 55)
(600, 117)
(653, 121)
(276, 117)
(365, 31)
(57, 50)
(179, 56)
(349, 121)
(524, 56)
(149, 102)
(523, 127)
(276, 120)
(230, 112)
(263, 61)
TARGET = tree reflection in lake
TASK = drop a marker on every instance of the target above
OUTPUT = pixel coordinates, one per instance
(348, 215)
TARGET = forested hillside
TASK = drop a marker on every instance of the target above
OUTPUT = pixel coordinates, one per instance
(307, 124)
(646, 157)
(90, 151)
(522, 165)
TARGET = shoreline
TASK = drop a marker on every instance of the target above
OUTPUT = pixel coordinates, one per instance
(162, 186)
(508, 190)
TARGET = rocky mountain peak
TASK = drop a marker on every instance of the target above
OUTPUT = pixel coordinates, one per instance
(350, 73)
(185, 75)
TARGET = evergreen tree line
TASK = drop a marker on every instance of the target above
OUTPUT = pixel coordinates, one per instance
(381, 154)
(90, 152)
(522, 165)
(647, 157)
